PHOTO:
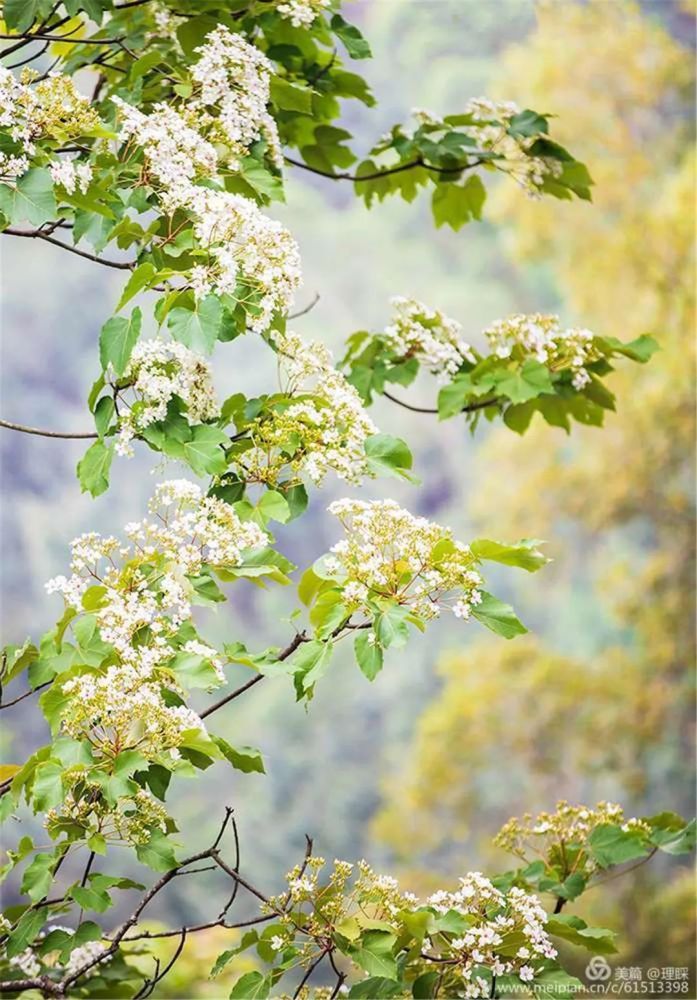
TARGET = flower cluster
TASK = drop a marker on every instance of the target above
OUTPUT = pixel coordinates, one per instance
(52, 108)
(486, 928)
(417, 331)
(130, 821)
(389, 554)
(71, 175)
(233, 77)
(301, 13)
(325, 429)
(247, 254)
(158, 371)
(543, 338)
(175, 152)
(142, 596)
(489, 129)
(34, 962)
(252, 256)
(553, 835)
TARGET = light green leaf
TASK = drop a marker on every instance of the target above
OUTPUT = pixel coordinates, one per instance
(310, 661)
(245, 759)
(117, 340)
(38, 877)
(356, 45)
(30, 200)
(139, 280)
(93, 468)
(203, 452)
(376, 956)
(157, 853)
(391, 627)
(524, 553)
(455, 204)
(520, 384)
(610, 845)
(598, 940)
(251, 986)
(368, 654)
(498, 617)
(388, 455)
(197, 328)
(290, 97)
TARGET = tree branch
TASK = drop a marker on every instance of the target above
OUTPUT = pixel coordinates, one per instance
(70, 435)
(283, 655)
(387, 172)
(37, 234)
(470, 408)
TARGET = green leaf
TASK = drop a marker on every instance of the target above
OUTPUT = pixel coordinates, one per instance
(527, 123)
(521, 384)
(140, 279)
(498, 617)
(30, 200)
(424, 987)
(610, 845)
(194, 671)
(197, 328)
(251, 986)
(310, 661)
(29, 925)
(245, 759)
(368, 654)
(642, 349)
(670, 833)
(21, 14)
(91, 898)
(391, 627)
(290, 97)
(117, 340)
(38, 877)
(376, 956)
(524, 553)
(273, 506)
(157, 853)
(93, 468)
(103, 414)
(598, 940)
(388, 455)
(356, 45)
(376, 988)
(48, 786)
(203, 452)
(456, 204)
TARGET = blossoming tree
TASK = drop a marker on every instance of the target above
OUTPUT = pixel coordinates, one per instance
(162, 130)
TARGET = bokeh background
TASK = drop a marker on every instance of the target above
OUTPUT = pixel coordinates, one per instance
(417, 771)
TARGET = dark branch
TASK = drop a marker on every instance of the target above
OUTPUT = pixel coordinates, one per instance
(470, 408)
(37, 234)
(387, 172)
(49, 434)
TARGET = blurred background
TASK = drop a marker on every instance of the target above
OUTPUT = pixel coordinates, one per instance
(417, 771)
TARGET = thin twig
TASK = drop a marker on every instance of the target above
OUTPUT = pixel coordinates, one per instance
(306, 310)
(470, 408)
(27, 694)
(387, 172)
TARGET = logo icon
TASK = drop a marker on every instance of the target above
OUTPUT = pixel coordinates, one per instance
(598, 969)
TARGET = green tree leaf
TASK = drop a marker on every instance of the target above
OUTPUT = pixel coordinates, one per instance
(368, 654)
(30, 199)
(117, 339)
(388, 455)
(157, 853)
(356, 45)
(38, 877)
(610, 845)
(498, 617)
(197, 328)
(245, 759)
(251, 986)
(376, 956)
(524, 553)
(455, 204)
(93, 468)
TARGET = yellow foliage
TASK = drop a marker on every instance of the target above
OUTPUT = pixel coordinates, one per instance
(517, 726)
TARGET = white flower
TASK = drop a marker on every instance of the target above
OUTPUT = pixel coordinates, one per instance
(542, 337)
(71, 175)
(417, 331)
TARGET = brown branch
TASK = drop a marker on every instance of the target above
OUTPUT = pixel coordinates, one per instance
(27, 694)
(387, 172)
(37, 234)
(283, 655)
(10, 425)
(470, 408)
(306, 310)
(41, 36)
